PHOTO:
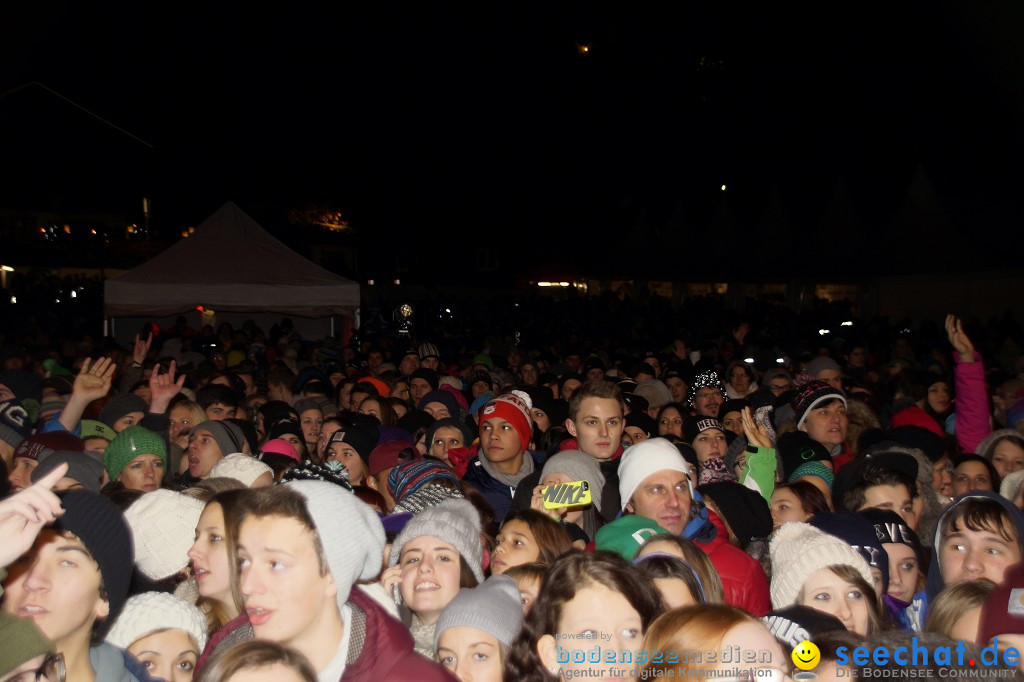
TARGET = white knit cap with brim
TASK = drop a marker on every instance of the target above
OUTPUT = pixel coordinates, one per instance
(798, 550)
(163, 525)
(149, 612)
(1011, 484)
(643, 459)
(350, 533)
(243, 468)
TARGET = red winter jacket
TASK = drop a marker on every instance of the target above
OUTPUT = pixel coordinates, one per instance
(742, 576)
(387, 653)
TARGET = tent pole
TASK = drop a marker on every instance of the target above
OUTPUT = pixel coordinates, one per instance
(332, 326)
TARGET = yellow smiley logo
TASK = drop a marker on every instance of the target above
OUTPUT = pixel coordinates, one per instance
(806, 655)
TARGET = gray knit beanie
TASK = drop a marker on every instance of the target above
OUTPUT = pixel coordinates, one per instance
(454, 521)
(229, 438)
(350, 533)
(493, 606)
(578, 466)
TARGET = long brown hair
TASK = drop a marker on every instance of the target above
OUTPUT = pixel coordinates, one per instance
(552, 538)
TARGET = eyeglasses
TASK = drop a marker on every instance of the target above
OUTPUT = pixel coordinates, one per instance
(52, 670)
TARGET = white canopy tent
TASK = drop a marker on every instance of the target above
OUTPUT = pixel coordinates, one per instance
(230, 265)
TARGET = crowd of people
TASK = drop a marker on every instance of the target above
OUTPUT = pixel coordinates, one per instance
(243, 504)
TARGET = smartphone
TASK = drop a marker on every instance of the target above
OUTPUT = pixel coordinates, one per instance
(572, 494)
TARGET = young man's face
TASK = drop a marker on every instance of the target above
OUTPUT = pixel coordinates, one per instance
(598, 427)
(664, 497)
(57, 585)
(220, 411)
(894, 498)
(418, 388)
(21, 475)
(827, 424)
(966, 555)
(677, 388)
(287, 597)
(203, 453)
(500, 441)
(569, 388)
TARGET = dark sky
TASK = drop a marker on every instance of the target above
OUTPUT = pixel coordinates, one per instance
(484, 121)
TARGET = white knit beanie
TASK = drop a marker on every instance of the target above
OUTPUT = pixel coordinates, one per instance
(244, 468)
(454, 521)
(1011, 484)
(149, 612)
(494, 607)
(350, 533)
(798, 550)
(643, 459)
(163, 525)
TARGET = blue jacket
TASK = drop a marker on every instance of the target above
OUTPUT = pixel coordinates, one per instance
(497, 493)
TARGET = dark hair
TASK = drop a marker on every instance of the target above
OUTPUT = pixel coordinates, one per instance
(255, 653)
(875, 475)
(714, 592)
(993, 475)
(656, 567)
(212, 394)
(979, 514)
(812, 500)
(552, 538)
(569, 574)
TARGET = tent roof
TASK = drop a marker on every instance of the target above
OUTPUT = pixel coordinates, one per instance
(230, 263)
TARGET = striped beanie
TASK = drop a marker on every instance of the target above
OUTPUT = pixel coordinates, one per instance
(408, 477)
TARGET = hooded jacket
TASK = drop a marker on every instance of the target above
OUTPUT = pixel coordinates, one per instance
(498, 494)
(935, 583)
(743, 579)
(381, 648)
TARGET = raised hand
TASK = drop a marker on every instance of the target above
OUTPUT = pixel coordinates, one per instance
(141, 349)
(23, 514)
(958, 338)
(756, 435)
(163, 388)
(94, 380)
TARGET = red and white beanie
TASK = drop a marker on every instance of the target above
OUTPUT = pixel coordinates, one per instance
(513, 407)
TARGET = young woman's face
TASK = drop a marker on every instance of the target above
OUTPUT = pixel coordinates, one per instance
(179, 423)
(430, 576)
(938, 396)
(444, 438)
(1007, 457)
(942, 476)
(971, 476)
(733, 421)
(209, 556)
(311, 421)
(904, 570)
(57, 585)
(710, 443)
(346, 455)
(739, 380)
(470, 654)
(516, 545)
(370, 406)
(671, 422)
(826, 591)
(170, 655)
(142, 473)
(528, 591)
(786, 507)
(540, 419)
(827, 424)
(596, 611)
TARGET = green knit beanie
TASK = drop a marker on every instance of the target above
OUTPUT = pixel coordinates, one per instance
(129, 444)
(22, 642)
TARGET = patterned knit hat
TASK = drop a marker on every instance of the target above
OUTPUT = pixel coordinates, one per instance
(456, 522)
(329, 472)
(151, 612)
(513, 407)
(813, 393)
(121, 405)
(408, 477)
(706, 379)
(493, 607)
(129, 444)
(163, 524)
(799, 550)
(891, 529)
(428, 350)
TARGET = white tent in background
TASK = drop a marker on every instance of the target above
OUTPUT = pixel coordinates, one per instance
(230, 265)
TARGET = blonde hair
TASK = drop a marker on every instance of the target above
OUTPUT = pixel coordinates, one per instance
(953, 602)
(700, 627)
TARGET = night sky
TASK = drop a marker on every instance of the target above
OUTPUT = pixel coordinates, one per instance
(853, 138)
